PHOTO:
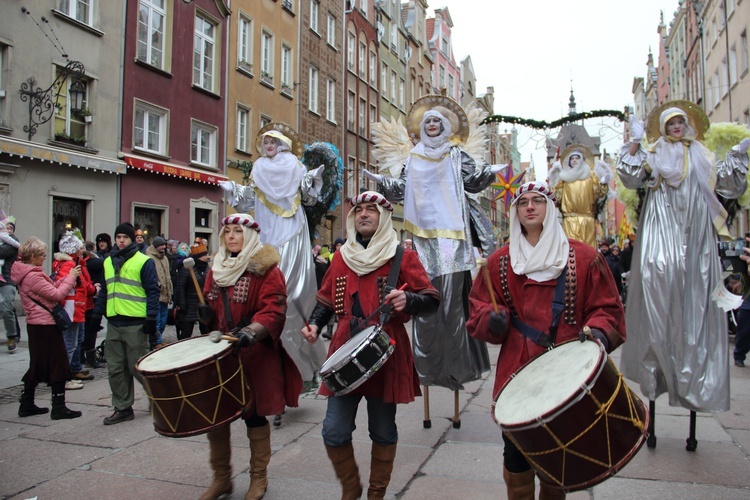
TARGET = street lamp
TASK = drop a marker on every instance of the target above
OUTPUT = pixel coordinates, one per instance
(42, 103)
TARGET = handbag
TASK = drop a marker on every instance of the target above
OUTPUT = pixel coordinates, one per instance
(59, 314)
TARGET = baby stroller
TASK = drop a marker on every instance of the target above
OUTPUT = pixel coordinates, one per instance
(100, 353)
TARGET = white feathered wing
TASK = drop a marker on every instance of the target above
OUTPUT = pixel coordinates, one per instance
(392, 146)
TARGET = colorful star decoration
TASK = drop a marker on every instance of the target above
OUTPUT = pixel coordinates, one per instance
(507, 184)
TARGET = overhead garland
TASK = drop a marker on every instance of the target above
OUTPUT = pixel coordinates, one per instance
(541, 124)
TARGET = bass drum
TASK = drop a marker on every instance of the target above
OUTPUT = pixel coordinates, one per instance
(571, 414)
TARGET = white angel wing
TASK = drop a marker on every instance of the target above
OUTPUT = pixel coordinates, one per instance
(476, 144)
(392, 146)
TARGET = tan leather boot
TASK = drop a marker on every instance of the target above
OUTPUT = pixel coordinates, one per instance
(520, 485)
(221, 463)
(549, 492)
(342, 458)
(381, 467)
(260, 455)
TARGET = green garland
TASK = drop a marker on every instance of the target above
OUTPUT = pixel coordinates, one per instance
(541, 124)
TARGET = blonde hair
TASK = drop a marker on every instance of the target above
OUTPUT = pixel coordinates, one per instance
(32, 247)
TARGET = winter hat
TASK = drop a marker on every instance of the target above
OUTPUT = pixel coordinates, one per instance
(158, 241)
(127, 229)
(339, 240)
(198, 251)
(105, 238)
(69, 243)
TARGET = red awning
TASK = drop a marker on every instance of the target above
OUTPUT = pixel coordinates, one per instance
(172, 170)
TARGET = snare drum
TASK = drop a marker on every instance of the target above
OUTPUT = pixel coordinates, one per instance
(194, 386)
(357, 360)
(572, 416)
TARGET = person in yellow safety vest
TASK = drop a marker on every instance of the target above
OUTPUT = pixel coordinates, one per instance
(131, 303)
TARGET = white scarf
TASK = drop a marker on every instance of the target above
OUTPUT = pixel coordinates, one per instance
(548, 258)
(227, 269)
(572, 174)
(279, 178)
(432, 199)
(380, 249)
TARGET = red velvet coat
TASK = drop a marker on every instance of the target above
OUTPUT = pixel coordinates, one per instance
(593, 301)
(260, 296)
(396, 381)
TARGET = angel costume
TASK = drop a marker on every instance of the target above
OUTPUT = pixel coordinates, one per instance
(436, 187)
(578, 189)
(677, 333)
(277, 186)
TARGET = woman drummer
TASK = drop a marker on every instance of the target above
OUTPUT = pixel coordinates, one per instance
(247, 289)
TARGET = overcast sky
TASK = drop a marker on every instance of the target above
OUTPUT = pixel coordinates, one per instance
(529, 51)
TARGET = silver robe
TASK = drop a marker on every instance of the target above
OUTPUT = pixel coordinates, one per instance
(677, 335)
(444, 354)
(299, 271)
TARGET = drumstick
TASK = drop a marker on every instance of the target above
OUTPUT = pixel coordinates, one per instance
(486, 276)
(299, 311)
(190, 263)
(216, 336)
(400, 289)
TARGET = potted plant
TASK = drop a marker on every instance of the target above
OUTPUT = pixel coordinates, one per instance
(286, 88)
(266, 76)
(85, 114)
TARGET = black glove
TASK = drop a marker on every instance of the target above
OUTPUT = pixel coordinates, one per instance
(243, 340)
(149, 327)
(498, 323)
(599, 335)
(206, 314)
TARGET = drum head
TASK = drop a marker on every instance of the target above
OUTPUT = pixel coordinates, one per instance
(183, 353)
(547, 382)
(344, 352)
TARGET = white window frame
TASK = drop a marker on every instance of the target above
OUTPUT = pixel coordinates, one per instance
(245, 40)
(373, 116)
(204, 53)
(350, 98)
(286, 66)
(744, 59)
(264, 120)
(351, 185)
(384, 80)
(266, 53)
(65, 121)
(150, 112)
(331, 31)
(331, 100)
(154, 56)
(72, 8)
(203, 142)
(373, 68)
(351, 47)
(242, 129)
(314, 15)
(314, 88)
(732, 65)
(394, 95)
(362, 117)
(362, 60)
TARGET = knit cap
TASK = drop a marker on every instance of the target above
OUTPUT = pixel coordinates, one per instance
(127, 229)
(69, 243)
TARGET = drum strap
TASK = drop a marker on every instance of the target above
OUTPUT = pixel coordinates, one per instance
(227, 310)
(535, 335)
(385, 309)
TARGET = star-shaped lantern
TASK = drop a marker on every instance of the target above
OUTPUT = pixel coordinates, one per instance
(507, 184)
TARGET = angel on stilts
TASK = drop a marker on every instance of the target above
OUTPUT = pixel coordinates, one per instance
(437, 180)
(280, 186)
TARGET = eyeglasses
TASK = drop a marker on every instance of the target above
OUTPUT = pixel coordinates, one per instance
(536, 200)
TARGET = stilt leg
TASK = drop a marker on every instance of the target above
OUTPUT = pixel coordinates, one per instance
(651, 440)
(456, 418)
(692, 443)
(426, 423)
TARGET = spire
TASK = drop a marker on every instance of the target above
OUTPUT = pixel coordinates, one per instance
(571, 101)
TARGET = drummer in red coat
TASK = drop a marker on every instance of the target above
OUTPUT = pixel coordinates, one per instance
(523, 276)
(246, 291)
(353, 288)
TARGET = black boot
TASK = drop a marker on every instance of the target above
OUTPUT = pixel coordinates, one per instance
(91, 360)
(59, 410)
(28, 408)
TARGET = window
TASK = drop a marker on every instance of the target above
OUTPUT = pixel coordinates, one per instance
(394, 36)
(373, 116)
(314, 8)
(351, 186)
(331, 32)
(331, 101)
(362, 117)
(362, 60)
(730, 7)
(203, 145)
(313, 104)
(733, 65)
(70, 124)
(451, 86)
(363, 6)
(244, 41)
(444, 45)
(372, 185)
(266, 54)
(350, 111)
(151, 27)
(441, 77)
(350, 48)
(723, 77)
(393, 86)
(265, 120)
(150, 129)
(401, 92)
(80, 10)
(364, 183)
(204, 53)
(743, 52)
(286, 67)
(243, 120)
(373, 68)
(383, 80)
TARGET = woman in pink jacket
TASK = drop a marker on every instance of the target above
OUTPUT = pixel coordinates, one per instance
(48, 357)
